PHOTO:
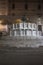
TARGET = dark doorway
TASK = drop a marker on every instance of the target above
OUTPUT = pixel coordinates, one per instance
(39, 28)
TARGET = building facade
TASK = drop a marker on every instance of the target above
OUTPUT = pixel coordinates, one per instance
(12, 10)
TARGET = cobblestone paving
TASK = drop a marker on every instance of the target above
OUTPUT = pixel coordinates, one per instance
(21, 56)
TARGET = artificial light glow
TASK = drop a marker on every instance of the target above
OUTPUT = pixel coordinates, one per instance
(3, 27)
(18, 21)
(0, 21)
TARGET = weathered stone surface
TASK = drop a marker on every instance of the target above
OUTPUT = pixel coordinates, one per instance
(21, 42)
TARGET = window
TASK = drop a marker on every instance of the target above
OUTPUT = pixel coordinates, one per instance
(17, 25)
(13, 6)
(39, 28)
(25, 32)
(26, 6)
(39, 7)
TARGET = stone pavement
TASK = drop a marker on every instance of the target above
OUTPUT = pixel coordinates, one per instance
(21, 41)
(21, 56)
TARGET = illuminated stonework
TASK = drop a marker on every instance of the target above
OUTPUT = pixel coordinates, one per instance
(26, 29)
